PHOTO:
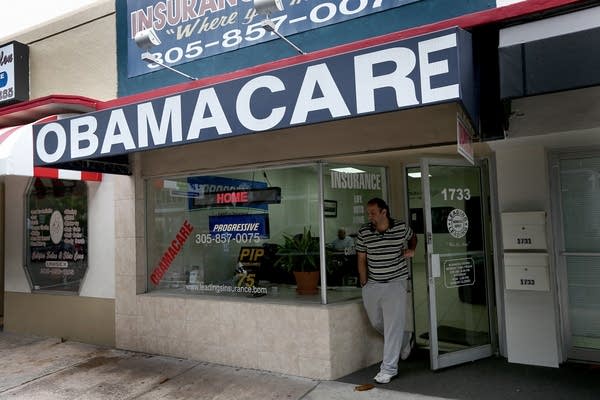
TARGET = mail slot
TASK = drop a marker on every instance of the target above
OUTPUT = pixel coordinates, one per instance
(526, 271)
(524, 230)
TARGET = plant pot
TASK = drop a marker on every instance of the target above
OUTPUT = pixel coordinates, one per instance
(307, 282)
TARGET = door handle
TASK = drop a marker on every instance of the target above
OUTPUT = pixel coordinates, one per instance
(435, 266)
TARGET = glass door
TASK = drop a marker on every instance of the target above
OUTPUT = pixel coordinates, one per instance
(457, 261)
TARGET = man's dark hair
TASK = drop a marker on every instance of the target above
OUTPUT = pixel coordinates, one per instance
(382, 206)
(379, 203)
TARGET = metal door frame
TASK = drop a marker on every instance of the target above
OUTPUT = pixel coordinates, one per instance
(438, 361)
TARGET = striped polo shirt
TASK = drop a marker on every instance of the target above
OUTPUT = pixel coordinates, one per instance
(384, 250)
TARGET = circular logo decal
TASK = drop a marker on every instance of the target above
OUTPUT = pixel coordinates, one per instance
(56, 227)
(458, 223)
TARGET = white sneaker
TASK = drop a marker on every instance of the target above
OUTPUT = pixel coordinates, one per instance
(407, 348)
(382, 377)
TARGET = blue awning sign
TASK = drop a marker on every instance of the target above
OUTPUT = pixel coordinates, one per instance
(402, 74)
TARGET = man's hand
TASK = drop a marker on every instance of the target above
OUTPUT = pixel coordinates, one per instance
(408, 253)
(412, 245)
(362, 267)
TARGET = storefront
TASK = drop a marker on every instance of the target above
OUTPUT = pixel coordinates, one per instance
(49, 262)
(59, 285)
(240, 182)
(248, 174)
(549, 165)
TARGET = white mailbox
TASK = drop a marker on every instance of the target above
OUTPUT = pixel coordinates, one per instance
(524, 230)
(526, 271)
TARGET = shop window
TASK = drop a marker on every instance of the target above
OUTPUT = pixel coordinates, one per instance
(347, 189)
(56, 234)
(244, 233)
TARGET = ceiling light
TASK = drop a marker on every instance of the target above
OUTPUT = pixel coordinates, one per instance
(348, 170)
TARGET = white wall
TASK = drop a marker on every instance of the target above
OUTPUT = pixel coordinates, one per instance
(14, 275)
(100, 277)
(74, 55)
(531, 324)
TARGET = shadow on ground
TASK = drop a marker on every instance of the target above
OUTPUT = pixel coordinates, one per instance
(490, 379)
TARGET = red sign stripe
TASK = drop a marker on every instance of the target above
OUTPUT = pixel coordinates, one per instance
(91, 176)
(44, 172)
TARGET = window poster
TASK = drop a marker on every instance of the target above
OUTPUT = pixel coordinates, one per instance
(56, 234)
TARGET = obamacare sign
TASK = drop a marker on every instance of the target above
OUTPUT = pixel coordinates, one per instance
(423, 70)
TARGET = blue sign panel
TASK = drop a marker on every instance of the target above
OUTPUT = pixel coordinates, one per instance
(240, 228)
(193, 29)
(428, 69)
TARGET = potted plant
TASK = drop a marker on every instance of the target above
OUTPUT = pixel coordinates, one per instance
(300, 254)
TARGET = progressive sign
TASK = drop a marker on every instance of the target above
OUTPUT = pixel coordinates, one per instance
(402, 74)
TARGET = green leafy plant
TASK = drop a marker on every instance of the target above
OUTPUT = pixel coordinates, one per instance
(299, 252)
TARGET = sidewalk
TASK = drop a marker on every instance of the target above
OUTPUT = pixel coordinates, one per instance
(47, 368)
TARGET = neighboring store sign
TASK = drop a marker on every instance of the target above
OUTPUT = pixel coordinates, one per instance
(14, 73)
(194, 29)
(429, 69)
(57, 248)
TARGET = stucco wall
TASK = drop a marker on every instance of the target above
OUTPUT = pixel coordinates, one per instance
(78, 318)
(74, 55)
(321, 342)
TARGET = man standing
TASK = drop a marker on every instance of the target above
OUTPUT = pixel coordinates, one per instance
(383, 246)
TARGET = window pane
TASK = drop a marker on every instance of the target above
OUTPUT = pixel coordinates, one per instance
(347, 188)
(222, 234)
(580, 197)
